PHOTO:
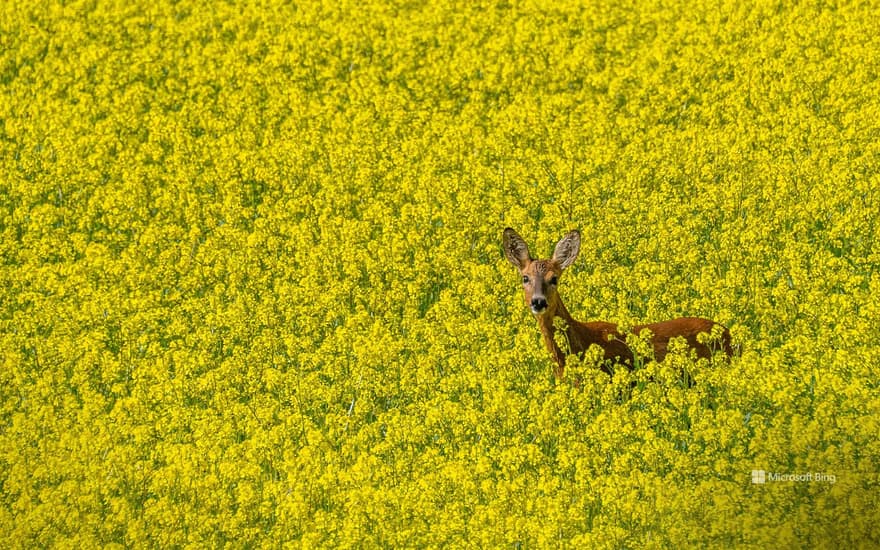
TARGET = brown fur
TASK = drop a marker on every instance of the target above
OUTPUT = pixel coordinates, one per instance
(539, 277)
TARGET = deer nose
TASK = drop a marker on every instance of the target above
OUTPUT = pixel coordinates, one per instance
(539, 304)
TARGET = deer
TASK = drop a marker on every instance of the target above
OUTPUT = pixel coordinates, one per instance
(540, 280)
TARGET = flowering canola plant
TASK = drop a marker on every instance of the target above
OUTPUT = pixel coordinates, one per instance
(253, 291)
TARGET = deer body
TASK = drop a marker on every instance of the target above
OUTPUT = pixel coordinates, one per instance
(540, 279)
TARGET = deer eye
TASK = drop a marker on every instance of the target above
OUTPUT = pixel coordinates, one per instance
(525, 279)
(553, 280)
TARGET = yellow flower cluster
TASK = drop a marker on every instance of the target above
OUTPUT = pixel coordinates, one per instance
(253, 291)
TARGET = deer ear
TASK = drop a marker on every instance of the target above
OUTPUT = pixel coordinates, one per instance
(516, 249)
(567, 249)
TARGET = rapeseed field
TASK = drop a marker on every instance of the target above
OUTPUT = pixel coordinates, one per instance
(253, 291)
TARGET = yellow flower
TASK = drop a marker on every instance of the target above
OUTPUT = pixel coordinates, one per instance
(253, 289)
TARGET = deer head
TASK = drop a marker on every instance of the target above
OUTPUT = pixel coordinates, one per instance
(541, 277)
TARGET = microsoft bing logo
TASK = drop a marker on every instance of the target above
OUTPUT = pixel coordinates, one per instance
(760, 477)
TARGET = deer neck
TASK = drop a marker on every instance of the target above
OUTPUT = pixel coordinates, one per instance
(548, 329)
(555, 309)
